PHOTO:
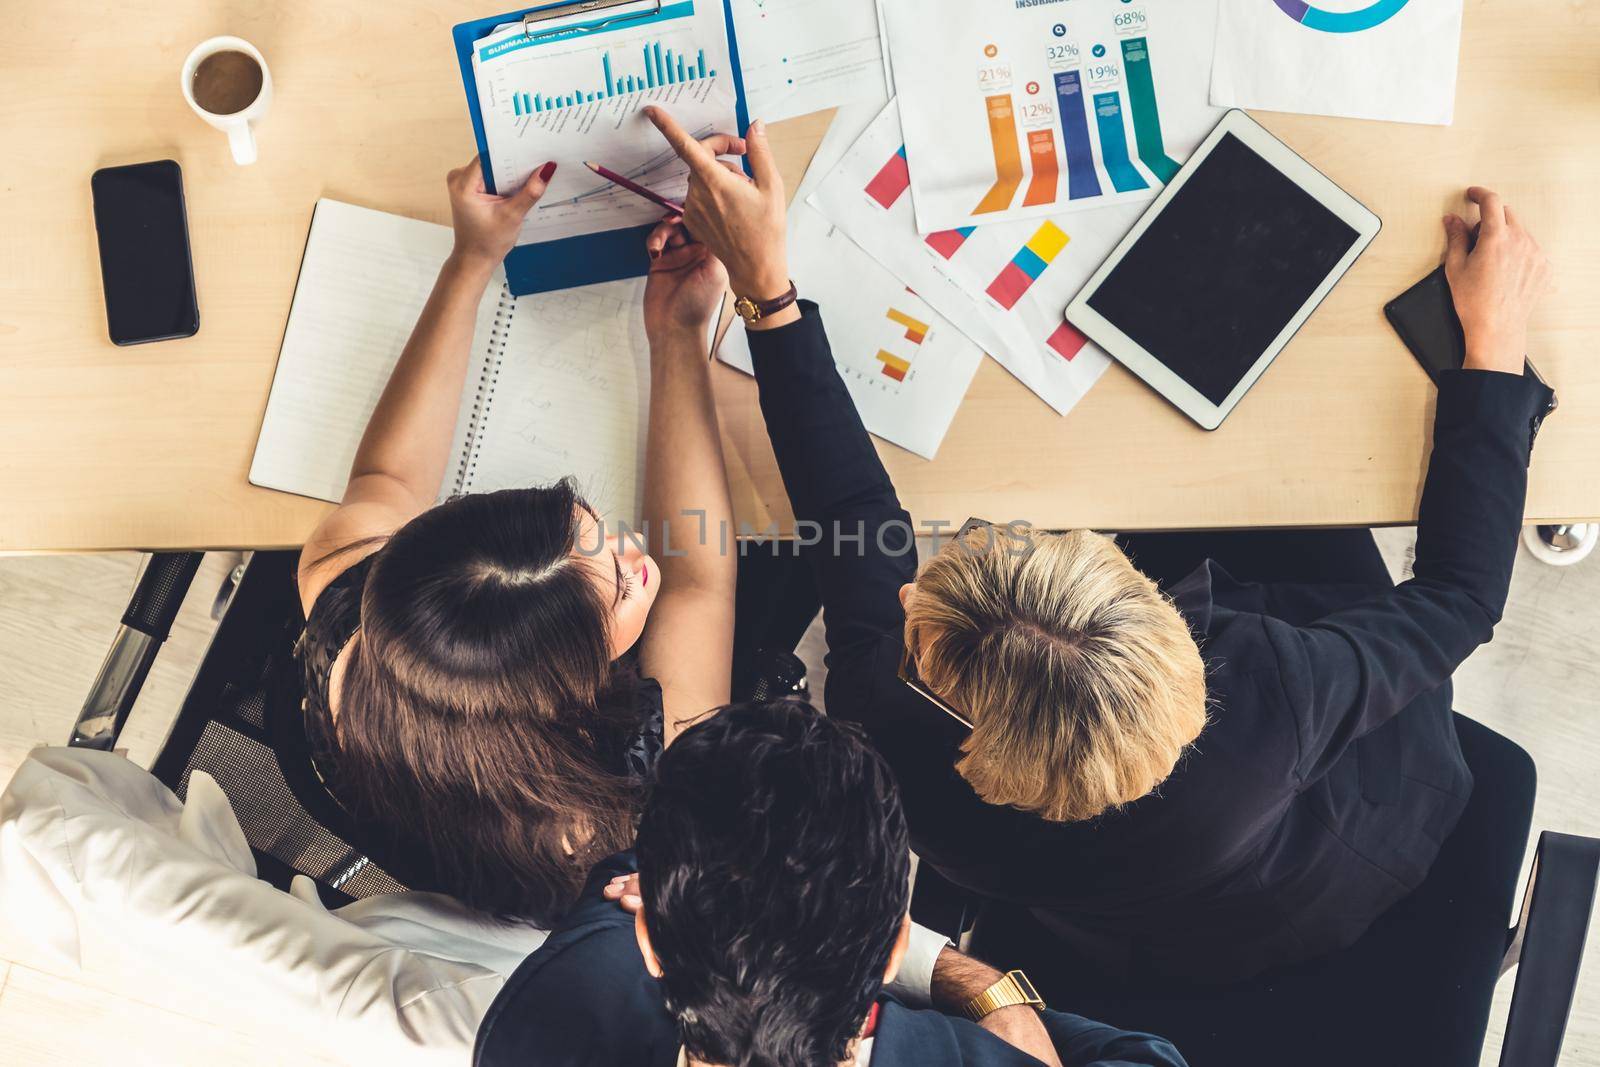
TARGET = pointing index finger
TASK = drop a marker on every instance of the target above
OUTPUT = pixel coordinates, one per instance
(700, 159)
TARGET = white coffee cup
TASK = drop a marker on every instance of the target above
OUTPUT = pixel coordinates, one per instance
(239, 125)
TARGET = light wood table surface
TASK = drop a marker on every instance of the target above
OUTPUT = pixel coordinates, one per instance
(148, 447)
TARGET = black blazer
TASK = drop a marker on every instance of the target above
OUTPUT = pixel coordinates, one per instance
(1329, 773)
(584, 999)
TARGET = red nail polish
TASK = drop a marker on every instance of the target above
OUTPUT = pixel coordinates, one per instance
(548, 171)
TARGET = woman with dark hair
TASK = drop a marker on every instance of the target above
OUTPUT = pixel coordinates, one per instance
(487, 681)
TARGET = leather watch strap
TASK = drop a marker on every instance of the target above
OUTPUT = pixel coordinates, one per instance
(753, 310)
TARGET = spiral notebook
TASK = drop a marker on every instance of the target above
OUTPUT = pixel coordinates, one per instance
(557, 384)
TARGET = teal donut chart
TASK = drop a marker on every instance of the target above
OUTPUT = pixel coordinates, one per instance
(1315, 18)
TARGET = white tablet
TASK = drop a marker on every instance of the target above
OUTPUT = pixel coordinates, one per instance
(1230, 260)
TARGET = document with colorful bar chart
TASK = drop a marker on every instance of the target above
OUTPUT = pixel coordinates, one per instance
(576, 91)
(1006, 286)
(1019, 110)
(906, 367)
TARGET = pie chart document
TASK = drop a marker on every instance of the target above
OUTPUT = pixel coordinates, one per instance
(1393, 60)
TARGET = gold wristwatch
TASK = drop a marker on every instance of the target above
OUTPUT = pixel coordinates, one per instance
(752, 310)
(1010, 991)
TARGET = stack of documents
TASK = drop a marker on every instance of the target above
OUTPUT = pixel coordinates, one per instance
(988, 155)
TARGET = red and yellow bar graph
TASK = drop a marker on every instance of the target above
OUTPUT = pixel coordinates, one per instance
(896, 367)
(893, 366)
(1026, 267)
(916, 331)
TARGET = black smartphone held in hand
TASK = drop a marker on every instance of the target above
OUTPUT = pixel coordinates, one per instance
(1425, 318)
(145, 265)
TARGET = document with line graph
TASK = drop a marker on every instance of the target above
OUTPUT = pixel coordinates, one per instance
(576, 91)
(1017, 110)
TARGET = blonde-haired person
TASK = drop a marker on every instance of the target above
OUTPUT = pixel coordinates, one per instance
(1100, 681)
(1233, 761)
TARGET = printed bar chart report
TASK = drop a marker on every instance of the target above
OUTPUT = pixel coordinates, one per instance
(660, 67)
(890, 184)
(1079, 105)
(1005, 286)
(574, 92)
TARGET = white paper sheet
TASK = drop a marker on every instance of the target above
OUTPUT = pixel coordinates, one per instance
(972, 277)
(800, 56)
(363, 283)
(570, 395)
(1023, 111)
(560, 381)
(1389, 59)
(906, 367)
(907, 390)
(579, 95)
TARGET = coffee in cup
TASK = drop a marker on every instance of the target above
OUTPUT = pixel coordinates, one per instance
(226, 82)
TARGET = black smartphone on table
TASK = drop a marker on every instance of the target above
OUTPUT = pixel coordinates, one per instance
(1425, 318)
(145, 264)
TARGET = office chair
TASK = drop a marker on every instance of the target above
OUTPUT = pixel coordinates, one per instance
(222, 727)
(1415, 989)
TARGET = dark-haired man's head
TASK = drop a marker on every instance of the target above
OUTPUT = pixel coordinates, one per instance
(774, 866)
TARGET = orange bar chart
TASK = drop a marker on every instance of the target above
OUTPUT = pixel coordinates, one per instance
(916, 332)
(1007, 155)
(1046, 168)
(897, 367)
(893, 366)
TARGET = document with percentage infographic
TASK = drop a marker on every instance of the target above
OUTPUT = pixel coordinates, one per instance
(1006, 285)
(1019, 110)
(577, 92)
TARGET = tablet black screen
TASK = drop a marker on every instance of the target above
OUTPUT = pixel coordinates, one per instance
(1224, 267)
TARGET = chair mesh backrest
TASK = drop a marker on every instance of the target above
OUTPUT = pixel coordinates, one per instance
(222, 730)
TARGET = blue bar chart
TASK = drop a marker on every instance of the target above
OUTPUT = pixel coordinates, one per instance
(652, 67)
(1114, 143)
(1082, 181)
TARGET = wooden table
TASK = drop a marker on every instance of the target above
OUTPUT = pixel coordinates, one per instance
(148, 447)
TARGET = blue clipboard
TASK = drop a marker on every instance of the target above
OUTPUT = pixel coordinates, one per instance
(572, 261)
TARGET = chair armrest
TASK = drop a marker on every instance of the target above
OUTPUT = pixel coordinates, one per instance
(1547, 947)
(145, 625)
